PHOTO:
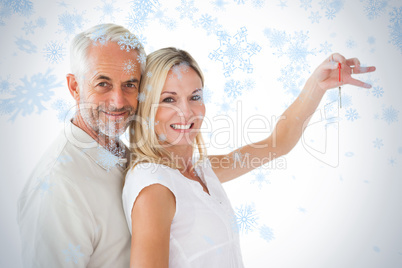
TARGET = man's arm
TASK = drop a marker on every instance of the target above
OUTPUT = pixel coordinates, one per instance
(151, 218)
(293, 121)
(56, 226)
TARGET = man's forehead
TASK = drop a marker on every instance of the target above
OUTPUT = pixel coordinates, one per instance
(110, 52)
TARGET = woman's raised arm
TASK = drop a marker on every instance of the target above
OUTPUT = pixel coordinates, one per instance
(293, 121)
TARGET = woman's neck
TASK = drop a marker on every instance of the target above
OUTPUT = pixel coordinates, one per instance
(182, 157)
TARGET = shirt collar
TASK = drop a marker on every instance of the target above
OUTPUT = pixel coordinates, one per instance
(93, 149)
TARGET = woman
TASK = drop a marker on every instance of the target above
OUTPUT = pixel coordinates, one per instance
(176, 208)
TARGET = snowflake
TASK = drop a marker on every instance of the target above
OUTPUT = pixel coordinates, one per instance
(219, 4)
(246, 218)
(374, 8)
(31, 94)
(346, 100)
(148, 87)
(73, 253)
(162, 137)
(296, 49)
(326, 47)
(371, 40)
(179, 69)
(378, 91)
(70, 22)
(336, 5)
(187, 9)
(235, 52)
(141, 9)
(238, 157)
(276, 38)
(108, 9)
(145, 6)
(392, 161)
(25, 45)
(64, 159)
(98, 37)
(129, 67)
(62, 107)
(41, 22)
(141, 97)
(258, 3)
(330, 13)
(22, 7)
(239, 2)
(306, 4)
(4, 86)
(44, 185)
(170, 23)
(351, 114)
(378, 143)
(349, 154)
(291, 80)
(54, 52)
(350, 43)
(142, 39)
(315, 17)
(396, 27)
(29, 27)
(324, 4)
(5, 12)
(128, 42)
(400, 150)
(137, 21)
(390, 115)
(282, 4)
(260, 177)
(208, 24)
(206, 95)
(107, 159)
(62, 4)
(396, 15)
(233, 88)
(149, 74)
(225, 106)
(376, 249)
(249, 84)
(266, 233)
(302, 210)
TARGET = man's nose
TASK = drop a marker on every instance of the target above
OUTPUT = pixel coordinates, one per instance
(117, 99)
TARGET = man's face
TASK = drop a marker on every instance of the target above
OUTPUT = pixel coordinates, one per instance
(108, 92)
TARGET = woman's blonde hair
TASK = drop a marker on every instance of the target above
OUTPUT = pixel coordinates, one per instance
(144, 142)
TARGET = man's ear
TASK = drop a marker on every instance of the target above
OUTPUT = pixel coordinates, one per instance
(72, 84)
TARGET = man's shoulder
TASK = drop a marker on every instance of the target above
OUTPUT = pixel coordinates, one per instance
(62, 162)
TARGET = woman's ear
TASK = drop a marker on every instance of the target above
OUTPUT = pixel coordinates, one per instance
(73, 86)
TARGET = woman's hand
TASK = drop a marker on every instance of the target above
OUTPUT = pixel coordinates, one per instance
(327, 73)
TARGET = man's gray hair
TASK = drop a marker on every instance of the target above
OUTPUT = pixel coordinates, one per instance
(99, 35)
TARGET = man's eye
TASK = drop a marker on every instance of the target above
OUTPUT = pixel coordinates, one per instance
(102, 84)
(131, 85)
(169, 99)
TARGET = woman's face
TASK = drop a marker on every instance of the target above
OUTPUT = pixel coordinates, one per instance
(181, 108)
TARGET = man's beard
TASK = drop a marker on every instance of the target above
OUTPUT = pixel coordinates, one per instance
(90, 113)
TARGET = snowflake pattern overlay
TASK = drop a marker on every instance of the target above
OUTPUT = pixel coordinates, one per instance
(246, 218)
(235, 52)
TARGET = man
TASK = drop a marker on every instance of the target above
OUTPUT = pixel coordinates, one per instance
(70, 212)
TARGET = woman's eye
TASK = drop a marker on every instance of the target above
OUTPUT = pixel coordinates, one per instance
(196, 97)
(169, 99)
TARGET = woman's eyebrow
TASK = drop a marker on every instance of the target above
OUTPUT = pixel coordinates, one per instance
(169, 92)
(198, 89)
